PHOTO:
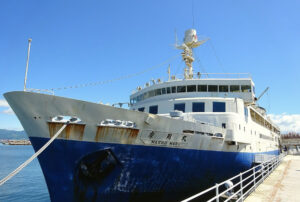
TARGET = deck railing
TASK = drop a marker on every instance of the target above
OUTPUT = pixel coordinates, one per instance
(240, 186)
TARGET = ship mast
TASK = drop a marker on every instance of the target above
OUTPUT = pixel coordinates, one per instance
(190, 41)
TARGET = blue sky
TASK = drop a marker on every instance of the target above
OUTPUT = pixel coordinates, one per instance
(78, 42)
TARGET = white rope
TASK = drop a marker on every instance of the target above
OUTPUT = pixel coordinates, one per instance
(13, 173)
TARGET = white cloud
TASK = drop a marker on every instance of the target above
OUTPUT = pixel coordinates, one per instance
(4, 104)
(8, 111)
(287, 122)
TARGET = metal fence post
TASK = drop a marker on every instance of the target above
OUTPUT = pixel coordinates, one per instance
(217, 192)
(241, 180)
(254, 177)
(262, 171)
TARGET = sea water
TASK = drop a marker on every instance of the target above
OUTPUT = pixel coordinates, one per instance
(29, 184)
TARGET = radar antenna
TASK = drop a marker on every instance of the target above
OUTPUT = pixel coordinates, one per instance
(190, 41)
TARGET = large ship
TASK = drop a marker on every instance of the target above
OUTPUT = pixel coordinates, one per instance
(177, 137)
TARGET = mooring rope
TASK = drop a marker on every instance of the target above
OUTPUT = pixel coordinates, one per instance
(13, 173)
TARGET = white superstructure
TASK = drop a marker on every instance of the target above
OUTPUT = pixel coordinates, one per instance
(227, 103)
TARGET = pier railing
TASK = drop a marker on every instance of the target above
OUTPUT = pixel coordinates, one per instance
(240, 186)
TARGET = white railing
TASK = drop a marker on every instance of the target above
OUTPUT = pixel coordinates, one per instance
(242, 184)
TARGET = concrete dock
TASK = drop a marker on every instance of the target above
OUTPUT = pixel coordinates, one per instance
(282, 185)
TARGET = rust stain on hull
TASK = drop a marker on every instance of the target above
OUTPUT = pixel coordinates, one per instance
(72, 131)
(116, 134)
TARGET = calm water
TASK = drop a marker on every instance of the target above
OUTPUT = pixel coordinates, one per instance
(28, 184)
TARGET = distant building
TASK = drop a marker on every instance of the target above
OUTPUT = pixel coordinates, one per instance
(291, 143)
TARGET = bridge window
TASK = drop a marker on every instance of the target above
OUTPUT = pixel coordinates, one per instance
(246, 88)
(181, 89)
(151, 93)
(234, 88)
(212, 88)
(202, 88)
(179, 107)
(173, 89)
(223, 88)
(219, 107)
(141, 109)
(191, 88)
(168, 90)
(198, 106)
(158, 92)
(153, 109)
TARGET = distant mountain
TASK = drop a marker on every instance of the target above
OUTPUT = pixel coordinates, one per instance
(12, 135)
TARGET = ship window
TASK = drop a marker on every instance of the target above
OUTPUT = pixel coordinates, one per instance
(163, 91)
(179, 107)
(158, 92)
(181, 89)
(173, 89)
(212, 88)
(153, 109)
(146, 95)
(198, 106)
(219, 107)
(234, 88)
(223, 125)
(191, 88)
(246, 88)
(223, 88)
(151, 93)
(202, 88)
(141, 109)
(168, 90)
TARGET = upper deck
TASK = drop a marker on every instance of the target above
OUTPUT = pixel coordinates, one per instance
(243, 88)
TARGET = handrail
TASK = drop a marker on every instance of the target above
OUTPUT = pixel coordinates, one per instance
(256, 175)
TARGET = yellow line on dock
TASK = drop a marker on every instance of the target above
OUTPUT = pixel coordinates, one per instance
(282, 185)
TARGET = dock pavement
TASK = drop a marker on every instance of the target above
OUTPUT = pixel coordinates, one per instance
(282, 185)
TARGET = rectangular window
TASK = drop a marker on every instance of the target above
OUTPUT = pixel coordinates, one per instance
(191, 88)
(151, 93)
(198, 106)
(163, 91)
(141, 109)
(246, 88)
(219, 107)
(202, 88)
(181, 89)
(146, 95)
(158, 92)
(168, 90)
(212, 88)
(179, 107)
(173, 89)
(223, 88)
(234, 88)
(153, 109)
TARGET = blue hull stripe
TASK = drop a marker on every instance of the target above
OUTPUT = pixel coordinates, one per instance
(91, 171)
